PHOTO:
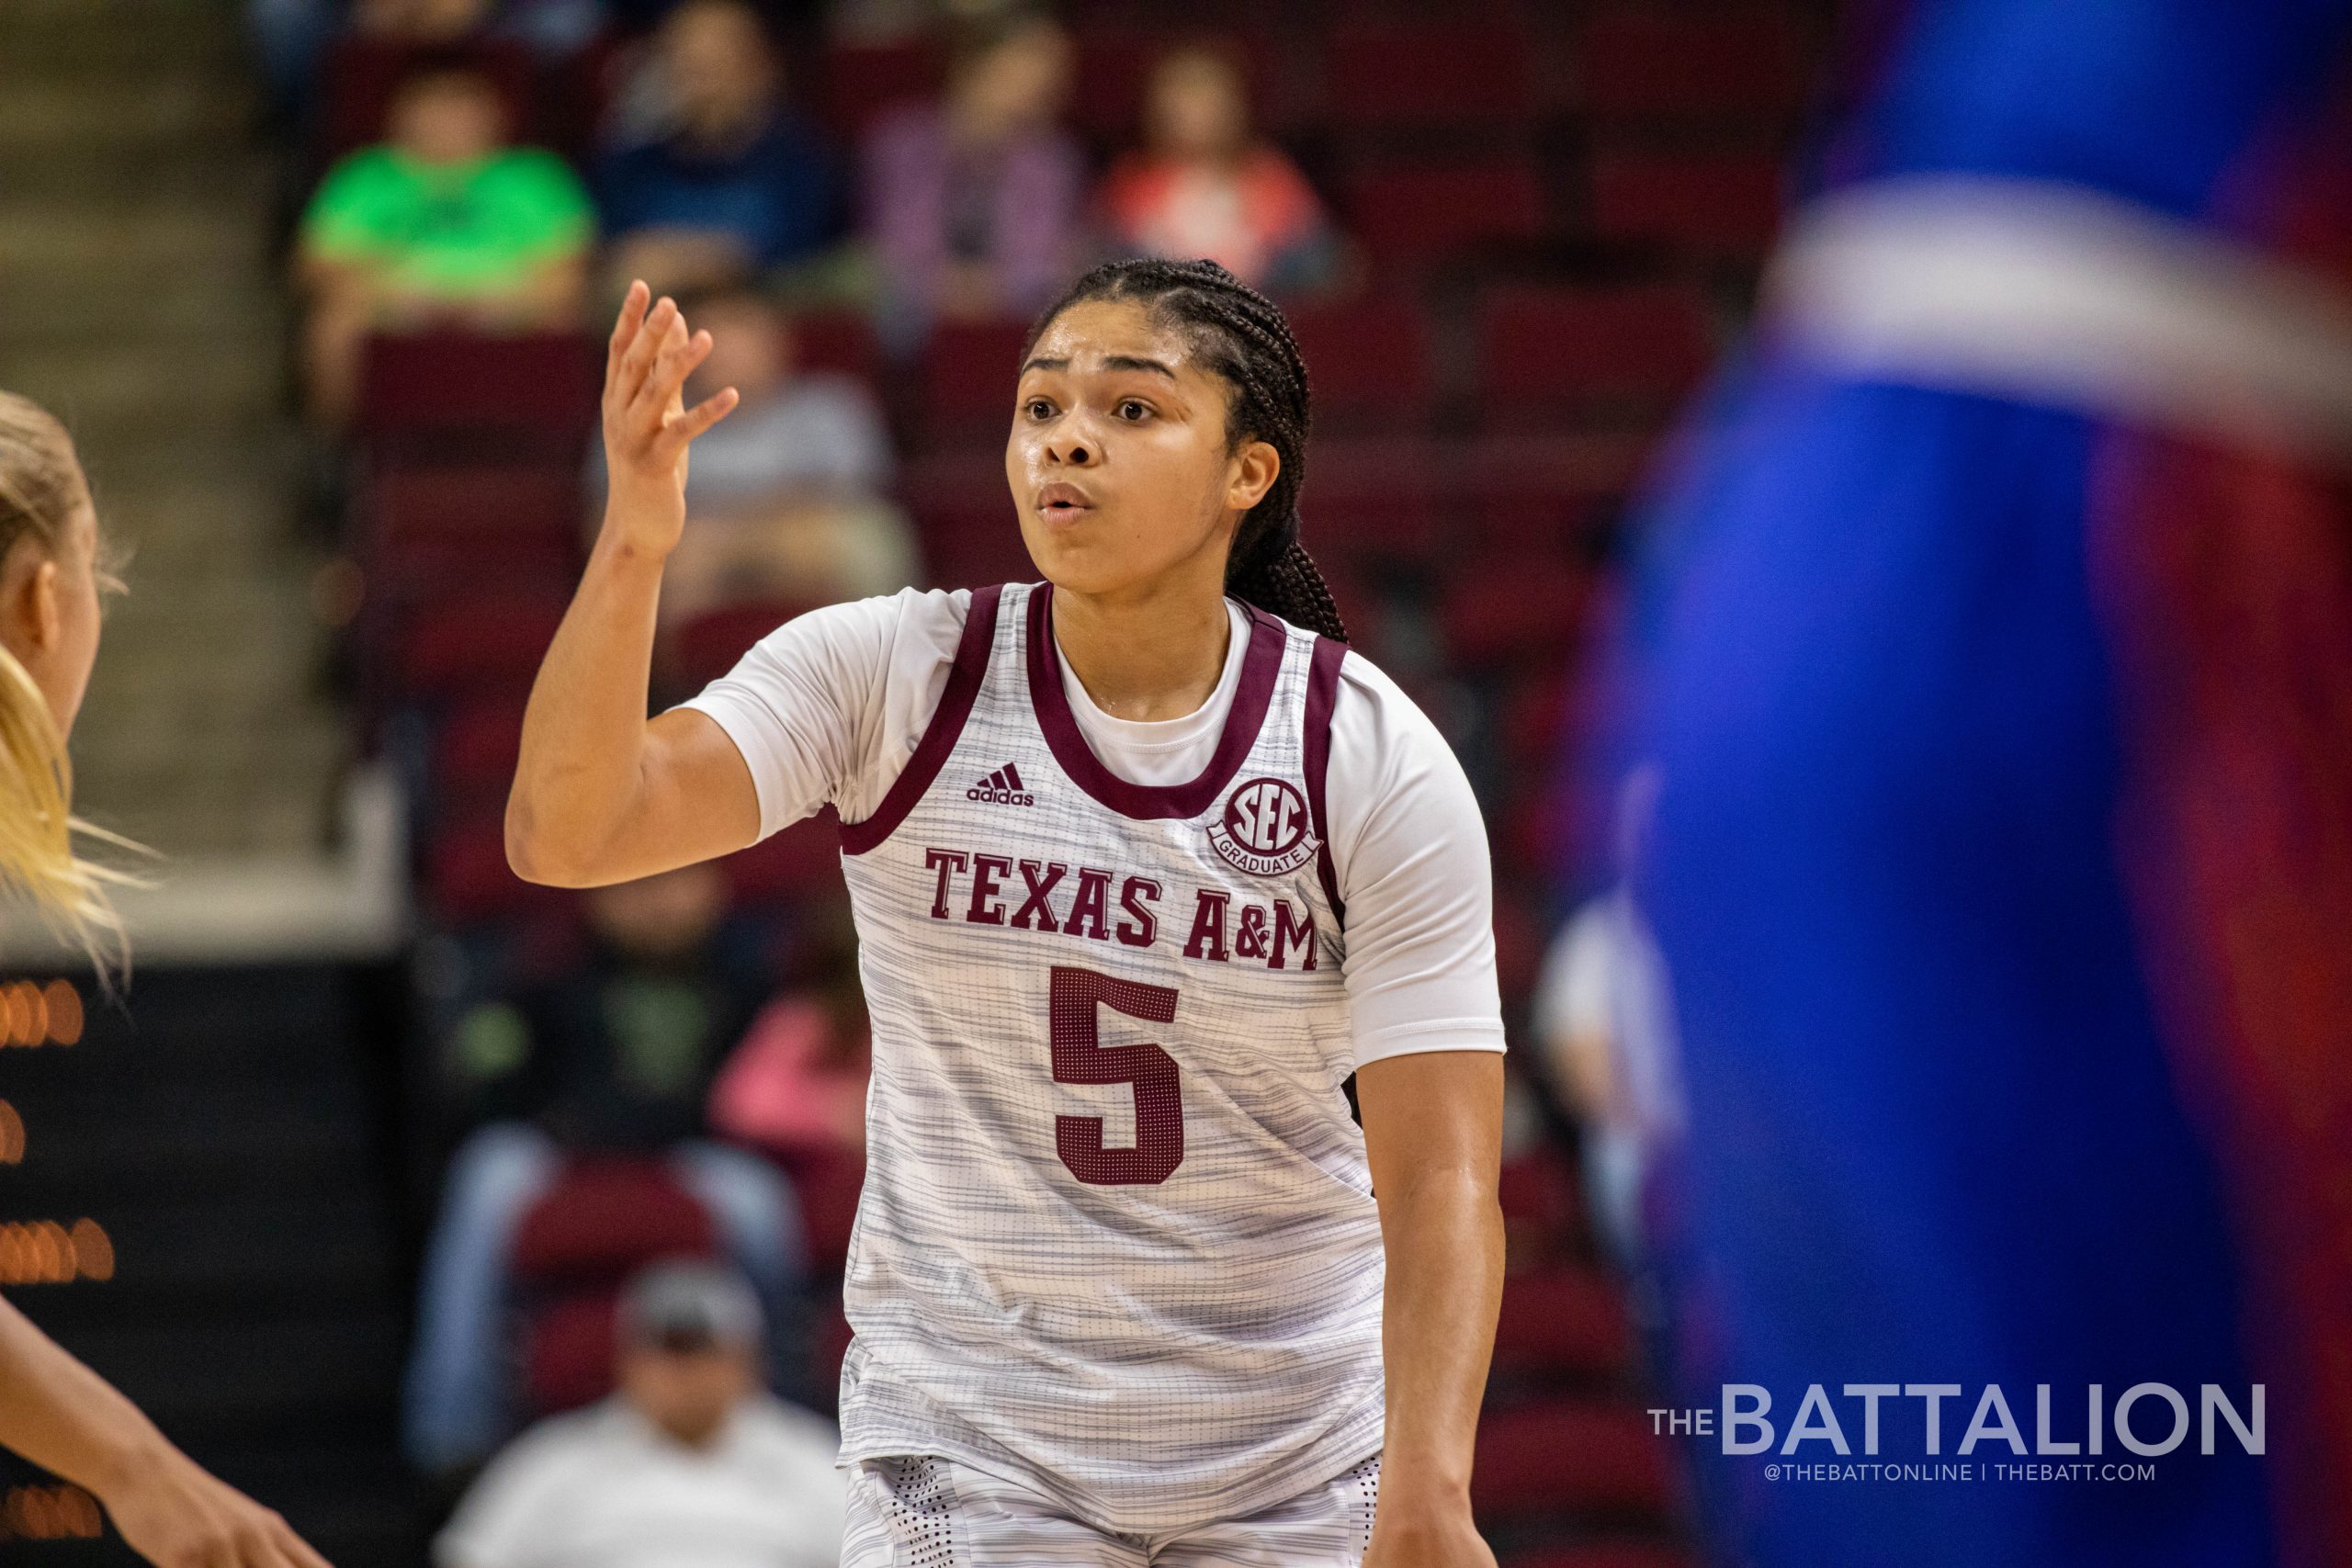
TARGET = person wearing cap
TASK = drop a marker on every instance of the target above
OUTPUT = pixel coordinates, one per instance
(690, 1461)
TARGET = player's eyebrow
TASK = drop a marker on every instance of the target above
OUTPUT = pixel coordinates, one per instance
(1110, 362)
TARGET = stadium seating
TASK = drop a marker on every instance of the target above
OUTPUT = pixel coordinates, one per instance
(573, 1248)
(1544, 352)
(466, 389)
(1670, 63)
(1708, 205)
(1371, 363)
(1427, 76)
(1413, 215)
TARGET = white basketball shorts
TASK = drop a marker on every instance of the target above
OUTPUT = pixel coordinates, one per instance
(925, 1512)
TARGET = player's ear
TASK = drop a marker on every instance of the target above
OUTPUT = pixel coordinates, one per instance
(30, 613)
(1251, 474)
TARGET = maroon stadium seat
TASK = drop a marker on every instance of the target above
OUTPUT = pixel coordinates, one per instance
(502, 526)
(1411, 215)
(969, 370)
(1603, 1554)
(1543, 1208)
(477, 644)
(537, 385)
(467, 876)
(1558, 1456)
(838, 342)
(1434, 76)
(1372, 500)
(863, 82)
(707, 647)
(1691, 64)
(603, 1220)
(1714, 204)
(1547, 349)
(568, 1347)
(1513, 609)
(1538, 711)
(1562, 1320)
(474, 752)
(1368, 361)
(1109, 75)
(478, 502)
(797, 863)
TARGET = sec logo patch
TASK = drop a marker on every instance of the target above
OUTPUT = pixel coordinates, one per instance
(1264, 829)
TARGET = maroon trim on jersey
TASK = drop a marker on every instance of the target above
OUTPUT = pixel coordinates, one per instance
(939, 737)
(1322, 693)
(1260, 665)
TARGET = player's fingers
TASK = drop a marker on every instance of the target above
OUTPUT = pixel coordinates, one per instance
(625, 322)
(679, 353)
(700, 418)
(298, 1552)
(637, 361)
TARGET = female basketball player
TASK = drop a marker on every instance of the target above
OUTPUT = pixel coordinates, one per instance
(1145, 864)
(54, 1410)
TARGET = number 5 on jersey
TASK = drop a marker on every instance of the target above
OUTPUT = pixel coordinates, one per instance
(1079, 1057)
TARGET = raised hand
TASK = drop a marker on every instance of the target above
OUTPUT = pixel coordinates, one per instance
(648, 427)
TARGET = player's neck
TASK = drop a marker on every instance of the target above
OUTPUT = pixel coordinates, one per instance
(1146, 657)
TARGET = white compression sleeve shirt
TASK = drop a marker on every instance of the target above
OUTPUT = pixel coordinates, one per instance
(827, 708)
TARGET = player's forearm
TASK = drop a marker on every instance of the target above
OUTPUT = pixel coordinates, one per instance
(579, 774)
(64, 1417)
(1444, 1238)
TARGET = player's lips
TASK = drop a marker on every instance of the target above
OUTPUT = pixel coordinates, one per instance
(1060, 502)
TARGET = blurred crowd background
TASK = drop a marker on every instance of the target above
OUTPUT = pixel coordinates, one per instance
(320, 285)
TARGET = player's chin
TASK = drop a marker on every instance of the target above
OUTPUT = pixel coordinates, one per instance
(1077, 556)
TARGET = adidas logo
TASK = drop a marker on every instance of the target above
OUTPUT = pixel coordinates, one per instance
(1002, 787)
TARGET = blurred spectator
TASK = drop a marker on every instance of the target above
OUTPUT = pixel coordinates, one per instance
(1205, 185)
(712, 179)
(616, 1056)
(443, 224)
(783, 499)
(689, 1462)
(973, 204)
(796, 1087)
(1604, 1025)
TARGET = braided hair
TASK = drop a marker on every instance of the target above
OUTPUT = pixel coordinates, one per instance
(1240, 335)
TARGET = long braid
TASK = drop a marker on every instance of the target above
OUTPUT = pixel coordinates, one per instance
(1242, 336)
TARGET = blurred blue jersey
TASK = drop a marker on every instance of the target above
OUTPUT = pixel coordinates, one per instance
(1934, 1136)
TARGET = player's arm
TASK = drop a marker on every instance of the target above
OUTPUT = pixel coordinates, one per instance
(602, 793)
(1432, 1129)
(70, 1421)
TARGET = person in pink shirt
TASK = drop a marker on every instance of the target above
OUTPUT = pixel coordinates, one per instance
(795, 1088)
(1205, 185)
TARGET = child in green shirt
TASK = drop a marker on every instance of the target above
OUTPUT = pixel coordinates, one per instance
(442, 224)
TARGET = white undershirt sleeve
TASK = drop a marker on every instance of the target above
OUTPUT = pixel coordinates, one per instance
(828, 708)
(1409, 849)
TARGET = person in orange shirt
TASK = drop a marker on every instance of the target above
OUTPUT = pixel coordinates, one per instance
(1205, 185)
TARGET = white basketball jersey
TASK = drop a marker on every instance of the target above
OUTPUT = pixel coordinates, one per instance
(1117, 1240)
